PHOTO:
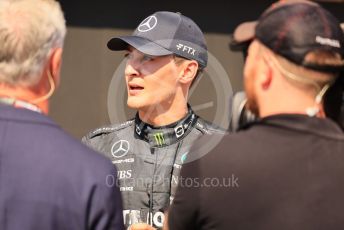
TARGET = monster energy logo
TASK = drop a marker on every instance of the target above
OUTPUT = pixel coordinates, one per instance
(159, 138)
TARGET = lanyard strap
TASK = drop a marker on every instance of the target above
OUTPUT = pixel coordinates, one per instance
(19, 104)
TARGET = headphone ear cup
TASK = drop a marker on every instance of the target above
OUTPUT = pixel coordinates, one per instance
(239, 114)
(334, 101)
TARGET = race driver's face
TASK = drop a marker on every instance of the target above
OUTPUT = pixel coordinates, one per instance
(151, 80)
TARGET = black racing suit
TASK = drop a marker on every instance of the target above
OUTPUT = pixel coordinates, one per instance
(148, 160)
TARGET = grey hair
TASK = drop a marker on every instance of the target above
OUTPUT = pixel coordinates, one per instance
(29, 31)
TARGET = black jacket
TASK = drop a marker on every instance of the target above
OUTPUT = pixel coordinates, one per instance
(282, 172)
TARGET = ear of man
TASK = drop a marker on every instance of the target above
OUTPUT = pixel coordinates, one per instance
(188, 72)
(50, 78)
(266, 79)
(54, 68)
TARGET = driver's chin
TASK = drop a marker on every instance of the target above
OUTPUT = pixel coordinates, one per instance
(134, 103)
(149, 103)
(138, 103)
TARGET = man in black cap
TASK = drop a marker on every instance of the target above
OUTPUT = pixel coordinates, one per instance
(165, 54)
(289, 164)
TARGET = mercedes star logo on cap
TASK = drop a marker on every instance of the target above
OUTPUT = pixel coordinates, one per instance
(148, 24)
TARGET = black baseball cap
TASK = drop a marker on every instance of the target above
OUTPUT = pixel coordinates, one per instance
(292, 29)
(164, 33)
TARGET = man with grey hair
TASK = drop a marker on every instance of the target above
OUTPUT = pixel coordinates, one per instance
(48, 180)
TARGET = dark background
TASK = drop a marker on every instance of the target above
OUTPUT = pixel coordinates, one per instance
(212, 16)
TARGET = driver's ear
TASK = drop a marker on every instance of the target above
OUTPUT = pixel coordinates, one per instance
(188, 71)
